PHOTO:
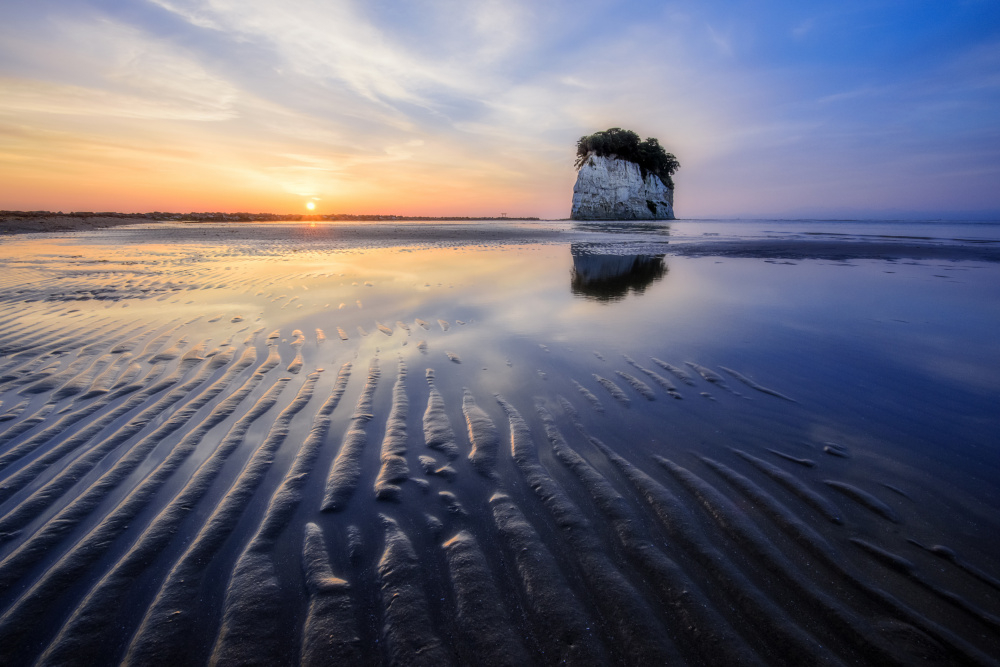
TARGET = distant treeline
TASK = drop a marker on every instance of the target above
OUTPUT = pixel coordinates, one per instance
(234, 217)
(626, 145)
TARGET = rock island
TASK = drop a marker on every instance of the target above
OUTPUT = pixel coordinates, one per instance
(623, 178)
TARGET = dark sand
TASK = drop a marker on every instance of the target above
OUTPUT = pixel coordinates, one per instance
(56, 224)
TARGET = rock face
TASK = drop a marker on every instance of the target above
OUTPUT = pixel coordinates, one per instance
(611, 189)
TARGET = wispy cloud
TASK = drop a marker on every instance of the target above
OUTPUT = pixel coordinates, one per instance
(803, 28)
(330, 43)
(52, 98)
(723, 40)
(109, 69)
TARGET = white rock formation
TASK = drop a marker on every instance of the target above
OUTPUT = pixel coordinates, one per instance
(611, 189)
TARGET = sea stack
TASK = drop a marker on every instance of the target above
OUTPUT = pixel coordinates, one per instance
(623, 178)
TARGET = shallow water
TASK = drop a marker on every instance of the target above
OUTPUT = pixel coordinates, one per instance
(179, 484)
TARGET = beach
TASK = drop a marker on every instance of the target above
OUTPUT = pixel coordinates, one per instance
(691, 442)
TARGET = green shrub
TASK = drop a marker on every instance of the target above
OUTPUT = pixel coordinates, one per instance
(625, 145)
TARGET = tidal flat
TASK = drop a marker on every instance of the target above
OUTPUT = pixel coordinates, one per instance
(705, 443)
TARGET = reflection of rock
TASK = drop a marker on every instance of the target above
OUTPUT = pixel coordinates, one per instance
(610, 277)
(611, 189)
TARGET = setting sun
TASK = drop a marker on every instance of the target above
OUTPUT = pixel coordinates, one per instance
(310, 205)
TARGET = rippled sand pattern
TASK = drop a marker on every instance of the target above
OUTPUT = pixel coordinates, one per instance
(192, 471)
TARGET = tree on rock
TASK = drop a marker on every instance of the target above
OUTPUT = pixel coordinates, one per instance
(625, 145)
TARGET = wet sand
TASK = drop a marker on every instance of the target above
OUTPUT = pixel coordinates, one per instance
(540, 443)
(645, 238)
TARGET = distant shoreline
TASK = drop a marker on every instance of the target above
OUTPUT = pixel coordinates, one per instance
(17, 222)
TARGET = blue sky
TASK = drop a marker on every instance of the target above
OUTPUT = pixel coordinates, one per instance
(473, 107)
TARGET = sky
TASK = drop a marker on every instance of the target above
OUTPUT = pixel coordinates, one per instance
(473, 107)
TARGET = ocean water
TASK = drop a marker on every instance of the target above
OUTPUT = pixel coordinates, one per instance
(703, 442)
(919, 229)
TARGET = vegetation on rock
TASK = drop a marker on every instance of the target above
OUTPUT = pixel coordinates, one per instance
(626, 145)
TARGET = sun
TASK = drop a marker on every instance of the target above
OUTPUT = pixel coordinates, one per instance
(310, 205)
